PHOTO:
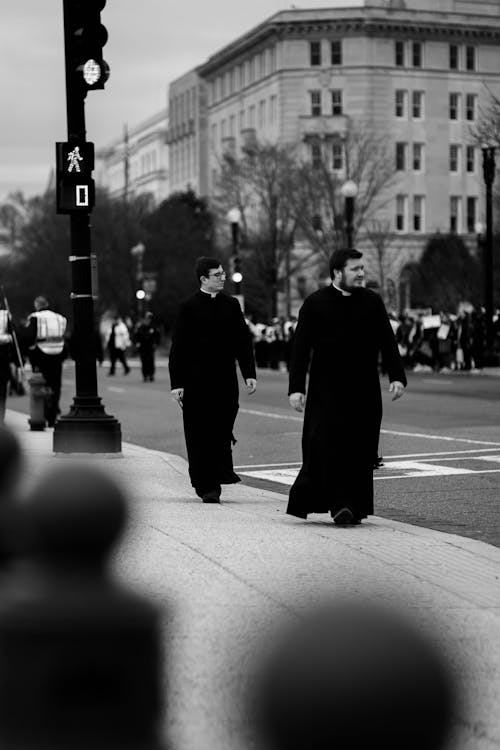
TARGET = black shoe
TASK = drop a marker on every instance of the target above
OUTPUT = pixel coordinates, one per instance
(343, 517)
(379, 461)
(211, 497)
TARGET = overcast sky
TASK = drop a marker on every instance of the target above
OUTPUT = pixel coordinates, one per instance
(151, 42)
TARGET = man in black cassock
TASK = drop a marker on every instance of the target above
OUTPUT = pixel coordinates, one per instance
(340, 333)
(209, 337)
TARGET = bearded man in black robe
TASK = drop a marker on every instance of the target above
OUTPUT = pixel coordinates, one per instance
(341, 331)
(210, 336)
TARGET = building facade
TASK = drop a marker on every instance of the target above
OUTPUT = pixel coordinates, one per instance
(416, 75)
(187, 134)
(138, 162)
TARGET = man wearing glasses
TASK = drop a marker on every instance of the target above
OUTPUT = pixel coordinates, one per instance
(210, 336)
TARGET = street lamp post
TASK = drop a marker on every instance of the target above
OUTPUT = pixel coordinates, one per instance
(234, 218)
(137, 252)
(489, 178)
(349, 192)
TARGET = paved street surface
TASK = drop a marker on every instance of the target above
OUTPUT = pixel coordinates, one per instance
(233, 572)
(441, 442)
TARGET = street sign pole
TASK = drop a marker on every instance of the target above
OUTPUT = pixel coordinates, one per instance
(86, 428)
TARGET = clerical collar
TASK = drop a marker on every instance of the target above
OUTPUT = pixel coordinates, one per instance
(346, 294)
(212, 294)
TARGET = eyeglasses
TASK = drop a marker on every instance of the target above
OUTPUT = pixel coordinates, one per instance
(219, 274)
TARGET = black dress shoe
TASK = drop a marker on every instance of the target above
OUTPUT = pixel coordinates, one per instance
(211, 497)
(379, 461)
(343, 517)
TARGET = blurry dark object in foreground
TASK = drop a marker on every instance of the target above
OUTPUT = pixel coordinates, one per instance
(80, 661)
(353, 676)
(10, 469)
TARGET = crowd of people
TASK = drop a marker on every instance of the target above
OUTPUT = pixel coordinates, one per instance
(445, 341)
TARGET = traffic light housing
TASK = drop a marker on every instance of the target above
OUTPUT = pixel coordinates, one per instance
(235, 269)
(85, 36)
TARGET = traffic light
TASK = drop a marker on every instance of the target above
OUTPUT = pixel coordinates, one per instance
(85, 36)
(75, 191)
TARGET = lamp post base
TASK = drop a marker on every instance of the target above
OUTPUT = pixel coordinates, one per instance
(87, 429)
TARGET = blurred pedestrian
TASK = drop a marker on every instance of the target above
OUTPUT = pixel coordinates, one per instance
(46, 331)
(209, 337)
(344, 327)
(118, 342)
(146, 339)
(6, 358)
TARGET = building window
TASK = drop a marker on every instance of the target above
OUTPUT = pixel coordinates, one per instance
(471, 214)
(336, 102)
(337, 156)
(416, 54)
(241, 118)
(454, 106)
(214, 135)
(455, 214)
(470, 58)
(401, 212)
(262, 62)
(399, 54)
(262, 114)
(336, 52)
(273, 59)
(401, 152)
(315, 53)
(418, 213)
(418, 157)
(316, 154)
(251, 116)
(232, 126)
(454, 56)
(471, 159)
(274, 109)
(400, 103)
(223, 129)
(251, 70)
(315, 102)
(470, 107)
(454, 158)
(417, 105)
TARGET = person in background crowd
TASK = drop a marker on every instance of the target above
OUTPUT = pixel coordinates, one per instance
(209, 338)
(45, 336)
(446, 342)
(6, 357)
(118, 342)
(464, 341)
(261, 345)
(478, 344)
(146, 339)
(289, 333)
(344, 327)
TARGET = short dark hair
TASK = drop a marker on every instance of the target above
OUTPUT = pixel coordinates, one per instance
(339, 258)
(204, 264)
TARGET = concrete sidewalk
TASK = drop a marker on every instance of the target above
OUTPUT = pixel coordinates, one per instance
(231, 572)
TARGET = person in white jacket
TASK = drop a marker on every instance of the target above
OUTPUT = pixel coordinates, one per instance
(118, 341)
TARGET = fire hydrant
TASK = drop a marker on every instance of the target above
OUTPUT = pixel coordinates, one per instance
(38, 394)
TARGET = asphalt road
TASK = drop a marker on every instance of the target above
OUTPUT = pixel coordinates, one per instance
(440, 442)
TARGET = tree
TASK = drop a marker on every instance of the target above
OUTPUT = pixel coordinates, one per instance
(319, 205)
(177, 232)
(383, 260)
(446, 275)
(260, 184)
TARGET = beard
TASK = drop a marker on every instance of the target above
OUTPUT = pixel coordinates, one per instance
(351, 288)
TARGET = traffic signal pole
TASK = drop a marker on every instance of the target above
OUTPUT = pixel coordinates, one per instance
(86, 428)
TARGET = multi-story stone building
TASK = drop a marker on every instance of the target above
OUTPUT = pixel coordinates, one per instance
(137, 163)
(187, 134)
(414, 70)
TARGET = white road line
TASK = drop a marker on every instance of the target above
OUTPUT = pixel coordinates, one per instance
(115, 389)
(439, 437)
(434, 381)
(418, 474)
(440, 453)
(291, 464)
(272, 415)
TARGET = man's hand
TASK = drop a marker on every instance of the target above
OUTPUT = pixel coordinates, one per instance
(397, 389)
(251, 385)
(297, 401)
(178, 395)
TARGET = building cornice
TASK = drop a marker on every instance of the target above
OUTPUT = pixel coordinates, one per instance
(368, 22)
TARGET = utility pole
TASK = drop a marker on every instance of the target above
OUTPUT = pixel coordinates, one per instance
(86, 428)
